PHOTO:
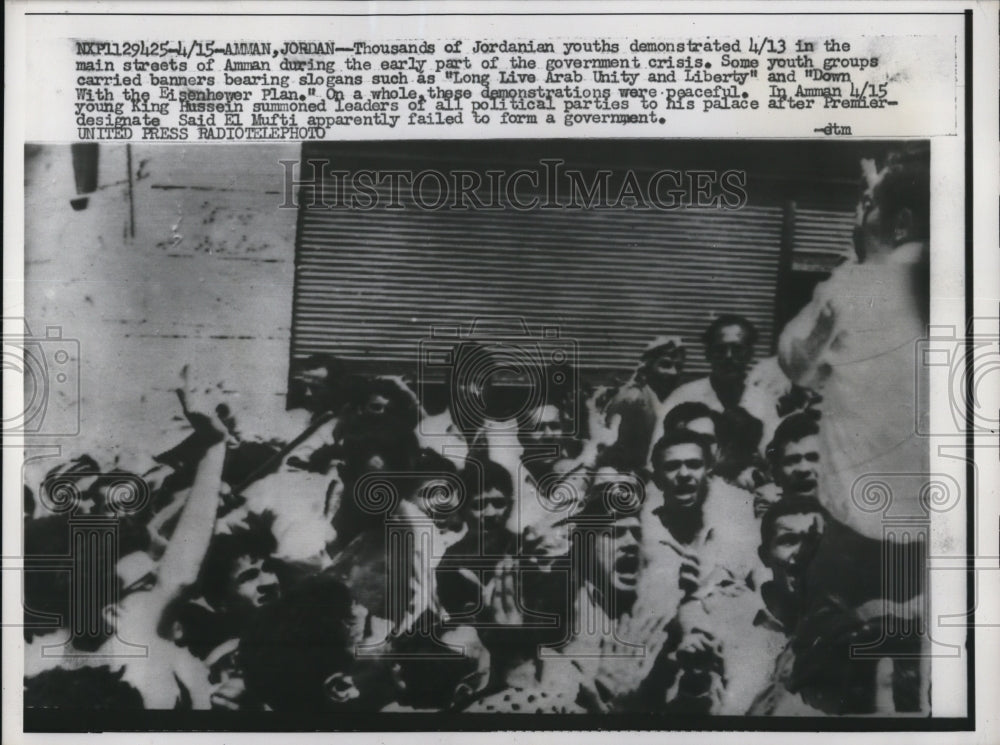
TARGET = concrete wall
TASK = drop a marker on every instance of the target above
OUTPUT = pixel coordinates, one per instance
(206, 280)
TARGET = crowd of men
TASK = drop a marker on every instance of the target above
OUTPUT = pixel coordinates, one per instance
(677, 549)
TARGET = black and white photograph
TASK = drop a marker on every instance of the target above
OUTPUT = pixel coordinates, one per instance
(535, 427)
(509, 371)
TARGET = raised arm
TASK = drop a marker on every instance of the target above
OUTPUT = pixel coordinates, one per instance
(183, 556)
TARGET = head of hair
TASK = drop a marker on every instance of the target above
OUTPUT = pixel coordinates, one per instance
(81, 688)
(905, 185)
(739, 434)
(401, 412)
(398, 449)
(686, 412)
(729, 319)
(331, 363)
(291, 646)
(784, 508)
(255, 540)
(792, 429)
(614, 496)
(682, 437)
(201, 629)
(338, 387)
(485, 476)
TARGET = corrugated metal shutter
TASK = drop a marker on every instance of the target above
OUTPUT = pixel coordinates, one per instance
(370, 285)
(822, 239)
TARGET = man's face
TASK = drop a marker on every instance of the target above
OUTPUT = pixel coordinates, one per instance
(618, 561)
(254, 582)
(789, 552)
(798, 468)
(869, 228)
(312, 388)
(681, 473)
(730, 353)
(489, 511)
(665, 369)
(376, 405)
(545, 430)
(705, 427)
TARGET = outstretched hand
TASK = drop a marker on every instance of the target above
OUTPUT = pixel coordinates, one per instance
(204, 409)
(602, 428)
(502, 594)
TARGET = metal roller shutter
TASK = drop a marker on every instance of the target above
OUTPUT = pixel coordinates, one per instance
(822, 239)
(370, 285)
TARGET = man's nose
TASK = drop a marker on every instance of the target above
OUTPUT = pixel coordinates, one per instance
(628, 540)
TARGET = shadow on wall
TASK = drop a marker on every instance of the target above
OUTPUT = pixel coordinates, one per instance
(153, 257)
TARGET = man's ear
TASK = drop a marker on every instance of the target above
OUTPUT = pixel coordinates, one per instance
(902, 226)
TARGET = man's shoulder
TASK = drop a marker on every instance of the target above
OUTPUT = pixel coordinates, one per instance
(699, 389)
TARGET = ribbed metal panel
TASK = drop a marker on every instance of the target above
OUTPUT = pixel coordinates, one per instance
(822, 239)
(370, 285)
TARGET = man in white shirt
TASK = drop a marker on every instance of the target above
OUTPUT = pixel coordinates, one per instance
(856, 342)
(729, 347)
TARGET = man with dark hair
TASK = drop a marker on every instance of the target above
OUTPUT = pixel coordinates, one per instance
(554, 469)
(734, 651)
(698, 417)
(474, 421)
(789, 535)
(795, 461)
(548, 664)
(489, 493)
(467, 565)
(320, 383)
(855, 342)
(725, 435)
(681, 463)
(729, 348)
(380, 404)
(697, 536)
(640, 402)
(236, 574)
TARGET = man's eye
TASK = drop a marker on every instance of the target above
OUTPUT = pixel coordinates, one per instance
(812, 457)
(672, 465)
(248, 575)
(694, 465)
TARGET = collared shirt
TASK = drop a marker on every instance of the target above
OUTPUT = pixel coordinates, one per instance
(752, 641)
(765, 384)
(725, 547)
